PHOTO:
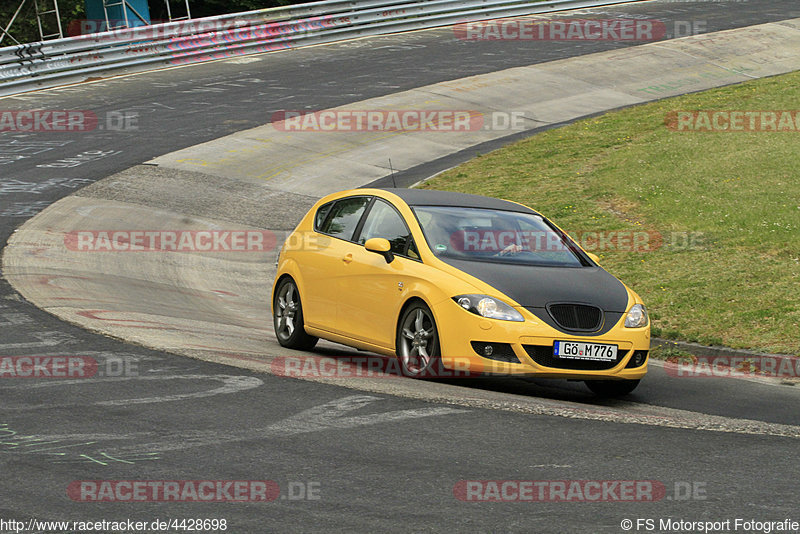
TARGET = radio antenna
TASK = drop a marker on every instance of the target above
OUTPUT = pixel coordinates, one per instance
(392, 170)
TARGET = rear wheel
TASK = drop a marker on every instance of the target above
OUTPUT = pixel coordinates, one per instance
(418, 342)
(612, 388)
(287, 316)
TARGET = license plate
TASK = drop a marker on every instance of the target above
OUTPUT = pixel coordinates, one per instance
(578, 350)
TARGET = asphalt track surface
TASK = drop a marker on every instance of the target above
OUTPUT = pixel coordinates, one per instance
(376, 462)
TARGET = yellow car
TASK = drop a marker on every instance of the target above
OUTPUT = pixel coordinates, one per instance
(453, 283)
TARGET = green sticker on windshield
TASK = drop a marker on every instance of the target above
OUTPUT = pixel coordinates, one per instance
(440, 248)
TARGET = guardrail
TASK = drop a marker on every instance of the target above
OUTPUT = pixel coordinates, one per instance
(39, 65)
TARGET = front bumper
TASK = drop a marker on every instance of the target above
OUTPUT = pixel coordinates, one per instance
(526, 348)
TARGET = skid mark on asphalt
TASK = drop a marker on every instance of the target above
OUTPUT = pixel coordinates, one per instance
(68, 448)
(230, 384)
(89, 447)
(328, 416)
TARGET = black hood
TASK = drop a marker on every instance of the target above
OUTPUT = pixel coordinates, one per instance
(535, 287)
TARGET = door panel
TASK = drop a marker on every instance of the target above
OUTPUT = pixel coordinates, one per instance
(371, 290)
(371, 294)
(323, 264)
(321, 269)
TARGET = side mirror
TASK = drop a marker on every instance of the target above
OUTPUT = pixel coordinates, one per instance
(380, 246)
(595, 257)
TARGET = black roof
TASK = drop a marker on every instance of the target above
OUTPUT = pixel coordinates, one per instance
(429, 197)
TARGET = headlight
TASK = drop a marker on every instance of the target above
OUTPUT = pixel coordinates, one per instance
(487, 306)
(637, 316)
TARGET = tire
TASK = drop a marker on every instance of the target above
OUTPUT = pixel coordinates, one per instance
(612, 388)
(287, 317)
(417, 342)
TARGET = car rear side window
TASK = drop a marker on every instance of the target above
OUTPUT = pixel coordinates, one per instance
(343, 218)
(322, 213)
(384, 221)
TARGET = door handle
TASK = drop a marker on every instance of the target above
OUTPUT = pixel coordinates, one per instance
(348, 258)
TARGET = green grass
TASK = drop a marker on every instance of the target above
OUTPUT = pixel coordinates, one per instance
(731, 200)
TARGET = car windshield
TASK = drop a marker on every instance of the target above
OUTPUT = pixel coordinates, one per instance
(476, 234)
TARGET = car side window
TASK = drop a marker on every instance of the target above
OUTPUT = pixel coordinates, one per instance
(344, 216)
(322, 213)
(384, 221)
(412, 249)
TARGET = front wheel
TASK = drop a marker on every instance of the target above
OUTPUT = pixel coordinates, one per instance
(612, 388)
(287, 316)
(418, 342)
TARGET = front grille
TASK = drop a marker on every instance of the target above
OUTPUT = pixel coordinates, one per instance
(543, 355)
(576, 316)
